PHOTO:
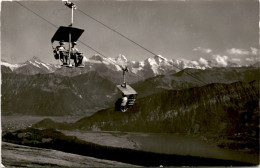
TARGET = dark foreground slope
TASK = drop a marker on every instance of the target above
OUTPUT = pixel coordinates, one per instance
(14, 155)
(50, 138)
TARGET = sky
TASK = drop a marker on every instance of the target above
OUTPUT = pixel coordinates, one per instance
(220, 30)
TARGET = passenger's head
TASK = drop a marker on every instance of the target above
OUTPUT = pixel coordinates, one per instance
(61, 42)
(74, 43)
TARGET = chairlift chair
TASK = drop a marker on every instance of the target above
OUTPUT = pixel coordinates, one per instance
(128, 91)
(67, 34)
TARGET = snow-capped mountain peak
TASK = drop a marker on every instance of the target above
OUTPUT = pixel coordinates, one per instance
(97, 57)
(39, 64)
(11, 66)
(34, 58)
(121, 58)
(160, 57)
(156, 65)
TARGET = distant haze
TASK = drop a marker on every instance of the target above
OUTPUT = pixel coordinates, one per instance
(194, 30)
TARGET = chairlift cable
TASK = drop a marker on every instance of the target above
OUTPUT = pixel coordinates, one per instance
(108, 58)
(36, 14)
(117, 32)
(57, 27)
(110, 29)
(79, 40)
(135, 42)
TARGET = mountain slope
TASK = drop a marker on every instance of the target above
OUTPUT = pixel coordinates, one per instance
(54, 94)
(214, 108)
(6, 69)
(50, 94)
(206, 107)
(188, 78)
(225, 113)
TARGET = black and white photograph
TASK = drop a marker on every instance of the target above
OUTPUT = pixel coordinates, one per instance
(130, 83)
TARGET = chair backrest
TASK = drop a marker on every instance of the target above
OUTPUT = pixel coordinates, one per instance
(131, 102)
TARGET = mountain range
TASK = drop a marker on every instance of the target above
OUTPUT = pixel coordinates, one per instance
(52, 94)
(189, 78)
(36, 88)
(30, 67)
(109, 67)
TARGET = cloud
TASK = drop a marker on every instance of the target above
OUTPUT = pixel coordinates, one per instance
(195, 63)
(221, 60)
(252, 59)
(203, 50)
(238, 51)
(236, 59)
(254, 51)
(203, 61)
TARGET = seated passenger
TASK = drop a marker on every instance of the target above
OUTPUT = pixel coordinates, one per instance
(76, 55)
(118, 104)
(80, 59)
(124, 102)
(60, 53)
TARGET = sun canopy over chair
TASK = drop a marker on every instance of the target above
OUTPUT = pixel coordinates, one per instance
(63, 33)
(128, 90)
